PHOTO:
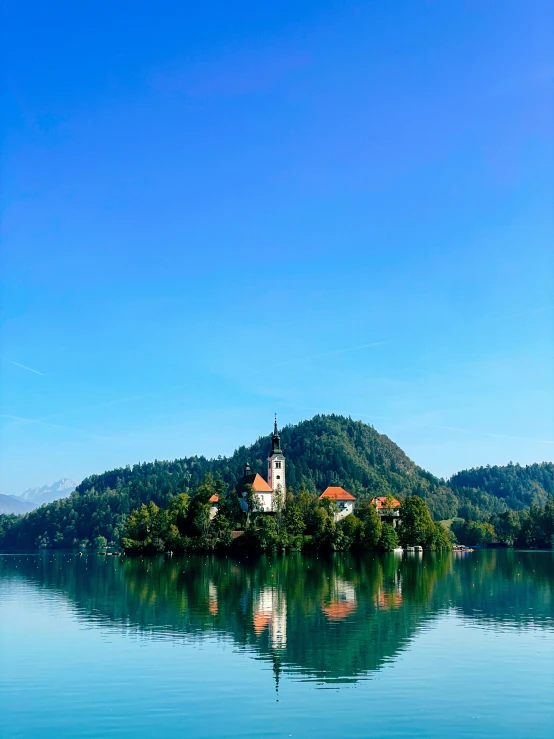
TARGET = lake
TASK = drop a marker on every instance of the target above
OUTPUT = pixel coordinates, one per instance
(286, 646)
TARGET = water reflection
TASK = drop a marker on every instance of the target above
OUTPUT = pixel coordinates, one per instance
(334, 618)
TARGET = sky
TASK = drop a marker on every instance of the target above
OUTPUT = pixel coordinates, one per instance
(212, 212)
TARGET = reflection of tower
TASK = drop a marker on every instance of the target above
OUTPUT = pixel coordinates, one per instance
(271, 611)
(276, 469)
(278, 627)
(276, 671)
(212, 594)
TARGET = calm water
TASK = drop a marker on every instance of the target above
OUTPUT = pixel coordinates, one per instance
(338, 646)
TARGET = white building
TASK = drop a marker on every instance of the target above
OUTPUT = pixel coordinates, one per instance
(270, 495)
(345, 501)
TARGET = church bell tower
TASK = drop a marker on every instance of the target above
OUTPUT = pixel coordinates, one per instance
(276, 468)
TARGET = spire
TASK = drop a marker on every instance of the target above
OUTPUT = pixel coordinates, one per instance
(276, 440)
(246, 469)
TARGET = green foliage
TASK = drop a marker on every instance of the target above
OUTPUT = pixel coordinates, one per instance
(440, 540)
(474, 533)
(416, 525)
(388, 539)
(486, 491)
(372, 525)
(537, 527)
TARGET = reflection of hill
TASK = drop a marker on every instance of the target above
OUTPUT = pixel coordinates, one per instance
(332, 618)
(507, 588)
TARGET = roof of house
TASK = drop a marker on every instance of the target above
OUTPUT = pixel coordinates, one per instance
(382, 502)
(336, 493)
(338, 611)
(258, 483)
(214, 499)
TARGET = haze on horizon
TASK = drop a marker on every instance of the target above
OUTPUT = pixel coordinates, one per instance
(212, 213)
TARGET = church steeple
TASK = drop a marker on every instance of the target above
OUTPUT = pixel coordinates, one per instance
(276, 439)
(276, 469)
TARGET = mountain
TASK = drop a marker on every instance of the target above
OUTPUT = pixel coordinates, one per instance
(11, 504)
(47, 493)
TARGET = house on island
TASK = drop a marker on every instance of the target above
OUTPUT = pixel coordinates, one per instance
(388, 509)
(345, 501)
(271, 493)
(214, 506)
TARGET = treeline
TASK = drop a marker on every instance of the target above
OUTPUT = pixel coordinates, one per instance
(326, 450)
(490, 490)
(530, 529)
(301, 522)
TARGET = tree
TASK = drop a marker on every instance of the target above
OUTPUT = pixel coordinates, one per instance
(507, 526)
(388, 540)
(100, 542)
(440, 539)
(352, 530)
(474, 533)
(252, 502)
(294, 519)
(372, 525)
(416, 525)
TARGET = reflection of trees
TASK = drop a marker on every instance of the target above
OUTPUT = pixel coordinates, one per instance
(332, 617)
(505, 587)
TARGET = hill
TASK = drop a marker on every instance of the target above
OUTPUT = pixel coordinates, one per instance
(326, 450)
(487, 491)
(11, 504)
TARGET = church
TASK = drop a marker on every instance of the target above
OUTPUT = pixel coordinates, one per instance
(271, 494)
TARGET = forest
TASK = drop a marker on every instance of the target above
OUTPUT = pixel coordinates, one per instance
(300, 522)
(325, 450)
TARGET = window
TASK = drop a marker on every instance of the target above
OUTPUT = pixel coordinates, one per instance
(277, 465)
(278, 477)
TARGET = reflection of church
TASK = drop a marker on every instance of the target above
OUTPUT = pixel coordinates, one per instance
(271, 493)
(270, 610)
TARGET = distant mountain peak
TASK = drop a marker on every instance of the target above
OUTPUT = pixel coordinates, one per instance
(47, 493)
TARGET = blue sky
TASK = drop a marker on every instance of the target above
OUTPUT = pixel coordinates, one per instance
(215, 211)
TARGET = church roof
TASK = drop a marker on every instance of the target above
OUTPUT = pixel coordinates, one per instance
(337, 493)
(214, 499)
(258, 483)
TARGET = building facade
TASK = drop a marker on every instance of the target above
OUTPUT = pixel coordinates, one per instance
(344, 500)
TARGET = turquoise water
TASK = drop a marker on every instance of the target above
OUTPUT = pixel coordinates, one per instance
(338, 646)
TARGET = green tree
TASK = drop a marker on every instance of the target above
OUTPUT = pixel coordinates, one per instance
(416, 525)
(372, 525)
(440, 539)
(388, 539)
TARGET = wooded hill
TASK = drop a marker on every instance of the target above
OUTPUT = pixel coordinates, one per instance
(325, 450)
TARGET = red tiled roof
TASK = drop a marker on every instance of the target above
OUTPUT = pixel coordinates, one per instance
(260, 485)
(257, 481)
(382, 502)
(214, 499)
(336, 493)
